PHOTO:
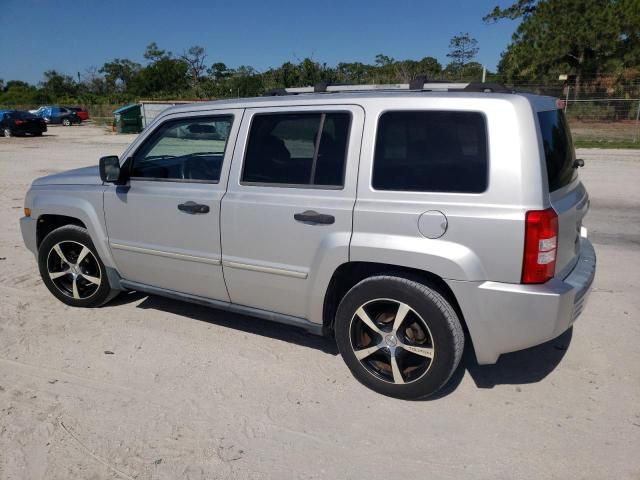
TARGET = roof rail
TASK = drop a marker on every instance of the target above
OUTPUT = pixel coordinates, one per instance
(487, 88)
(418, 85)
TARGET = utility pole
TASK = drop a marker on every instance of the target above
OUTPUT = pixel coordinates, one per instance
(567, 88)
(635, 138)
(484, 74)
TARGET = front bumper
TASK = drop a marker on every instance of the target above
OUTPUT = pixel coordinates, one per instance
(505, 317)
(28, 229)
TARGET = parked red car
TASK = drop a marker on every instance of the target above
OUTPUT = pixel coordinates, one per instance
(82, 113)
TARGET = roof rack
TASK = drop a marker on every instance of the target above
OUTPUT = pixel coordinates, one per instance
(417, 85)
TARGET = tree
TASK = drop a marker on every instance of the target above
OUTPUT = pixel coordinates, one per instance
(385, 71)
(472, 72)
(462, 49)
(219, 71)
(522, 8)
(429, 67)
(153, 53)
(195, 57)
(119, 73)
(355, 73)
(164, 76)
(58, 85)
(17, 92)
(578, 37)
(408, 70)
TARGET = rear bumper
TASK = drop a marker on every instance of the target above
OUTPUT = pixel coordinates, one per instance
(505, 317)
(31, 128)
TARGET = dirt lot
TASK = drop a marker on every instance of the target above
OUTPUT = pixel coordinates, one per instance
(148, 388)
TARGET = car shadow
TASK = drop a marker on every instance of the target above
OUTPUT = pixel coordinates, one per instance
(525, 366)
(518, 368)
(245, 323)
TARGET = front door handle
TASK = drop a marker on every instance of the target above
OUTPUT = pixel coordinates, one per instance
(193, 207)
(314, 218)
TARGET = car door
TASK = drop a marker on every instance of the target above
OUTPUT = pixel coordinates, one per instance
(287, 214)
(163, 225)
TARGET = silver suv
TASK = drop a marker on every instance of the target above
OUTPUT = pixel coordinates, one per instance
(403, 221)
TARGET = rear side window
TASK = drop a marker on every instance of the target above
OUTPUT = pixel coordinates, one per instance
(22, 115)
(431, 151)
(306, 149)
(558, 148)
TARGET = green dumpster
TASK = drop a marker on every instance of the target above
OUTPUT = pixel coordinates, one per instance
(127, 119)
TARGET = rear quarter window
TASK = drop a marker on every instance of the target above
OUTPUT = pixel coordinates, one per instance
(558, 148)
(431, 151)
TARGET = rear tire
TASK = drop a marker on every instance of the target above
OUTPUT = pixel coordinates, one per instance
(66, 122)
(71, 268)
(398, 337)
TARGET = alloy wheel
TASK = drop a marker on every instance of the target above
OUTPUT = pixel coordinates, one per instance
(74, 270)
(391, 341)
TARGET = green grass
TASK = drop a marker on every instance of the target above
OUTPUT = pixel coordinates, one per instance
(605, 143)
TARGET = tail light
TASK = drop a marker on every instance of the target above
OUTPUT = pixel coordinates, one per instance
(540, 246)
(19, 122)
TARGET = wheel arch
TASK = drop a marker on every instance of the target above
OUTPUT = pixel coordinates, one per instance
(82, 207)
(47, 223)
(349, 274)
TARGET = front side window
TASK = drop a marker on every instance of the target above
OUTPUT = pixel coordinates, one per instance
(297, 149)
(184, 150)
(431, 151)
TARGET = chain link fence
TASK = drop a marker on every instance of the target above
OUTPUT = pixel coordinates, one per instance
(598, 122)
(603, 112)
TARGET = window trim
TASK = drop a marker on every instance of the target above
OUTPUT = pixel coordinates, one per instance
(154, 134)
(432, 192)
(307, 186)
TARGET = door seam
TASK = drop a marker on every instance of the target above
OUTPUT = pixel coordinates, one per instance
(226, 189)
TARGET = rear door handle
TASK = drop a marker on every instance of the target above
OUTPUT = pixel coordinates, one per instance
(314, 218)
(193, 207)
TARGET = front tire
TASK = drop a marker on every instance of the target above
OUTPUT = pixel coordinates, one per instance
(66, 122)
(71, 268)
(7, 132)
(398, 337)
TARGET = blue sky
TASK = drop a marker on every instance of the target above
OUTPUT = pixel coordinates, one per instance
(71, 35)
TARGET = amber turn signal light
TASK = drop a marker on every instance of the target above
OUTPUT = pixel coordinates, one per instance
(27, 212)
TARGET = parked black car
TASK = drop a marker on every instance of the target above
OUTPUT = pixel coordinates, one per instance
(16, 122)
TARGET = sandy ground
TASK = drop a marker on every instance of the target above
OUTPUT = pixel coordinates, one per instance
(189, 392)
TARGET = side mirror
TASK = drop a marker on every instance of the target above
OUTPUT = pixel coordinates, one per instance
(110, 169)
